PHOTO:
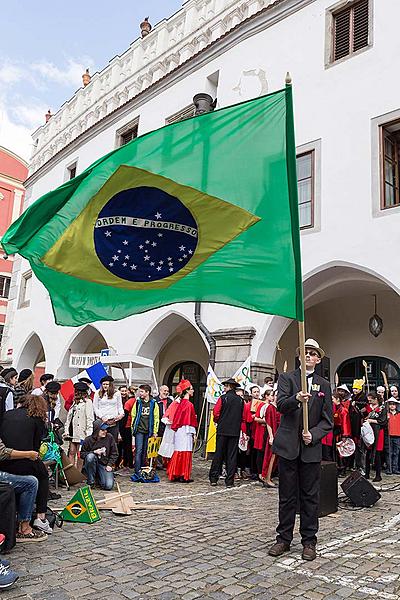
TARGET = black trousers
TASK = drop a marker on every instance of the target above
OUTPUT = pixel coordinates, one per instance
(377, 463)
(226, 450)
(125, 455)
(298, 480)
(36, 468)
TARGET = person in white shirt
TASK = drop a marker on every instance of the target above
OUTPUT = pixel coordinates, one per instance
(107, 405)
(44, 379)
(8, 379)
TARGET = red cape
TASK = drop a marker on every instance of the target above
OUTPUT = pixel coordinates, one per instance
(184, 415)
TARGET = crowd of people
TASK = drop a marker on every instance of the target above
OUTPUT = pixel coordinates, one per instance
(106, 433)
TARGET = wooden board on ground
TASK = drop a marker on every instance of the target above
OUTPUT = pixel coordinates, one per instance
(123, 504)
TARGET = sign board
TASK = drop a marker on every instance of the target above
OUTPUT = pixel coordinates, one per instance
(81, 508)
(153, 447)
(83, 361)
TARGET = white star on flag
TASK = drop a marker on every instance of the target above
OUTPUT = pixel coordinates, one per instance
(158, 215)
(160, 262)
(124, 264)
(190, 251)
(147, 242)
(182, 248)
(171, 270)
(158, 268)
(141, 247)
(170, 264)
(152, 264)
(107, 233)
(133, 267)
(119, 251)
(169, 258)
(185, 256)
(125, 242)
(110, 264)
(160, 235)
(115, 257)
(127, 257)
(154, 244)
(147, 257)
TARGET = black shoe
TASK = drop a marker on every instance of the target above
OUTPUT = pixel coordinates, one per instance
(309, 552)
(229, 485)
(53, 496)
(278, 549)
(213, 483)
(376, 478)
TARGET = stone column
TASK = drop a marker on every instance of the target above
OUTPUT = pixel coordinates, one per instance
(233, 347)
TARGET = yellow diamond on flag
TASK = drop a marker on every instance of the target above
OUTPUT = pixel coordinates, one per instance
(144, 231)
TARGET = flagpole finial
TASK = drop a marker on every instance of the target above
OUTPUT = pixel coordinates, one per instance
(288, 79)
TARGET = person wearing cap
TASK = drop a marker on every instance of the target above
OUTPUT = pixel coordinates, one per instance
(380, 392)
(44, 379)
(184, 425)
(107, 405)
(24, 385)
(79, 423)
(70, 399)
(228, 414)
(99, 453)
(9, 377)
(52, 397)
(300, 452)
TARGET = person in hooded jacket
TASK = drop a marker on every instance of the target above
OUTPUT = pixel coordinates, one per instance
(99, 453)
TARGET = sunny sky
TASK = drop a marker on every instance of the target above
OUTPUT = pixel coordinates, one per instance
(46, 46)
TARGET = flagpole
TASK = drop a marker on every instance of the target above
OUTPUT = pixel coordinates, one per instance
(304, 389)
(292, 180)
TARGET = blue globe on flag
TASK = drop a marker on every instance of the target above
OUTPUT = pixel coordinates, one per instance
(145, 234)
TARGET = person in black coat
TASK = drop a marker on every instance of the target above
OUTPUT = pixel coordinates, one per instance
(228, 414)
(300, 453)
(24, 429)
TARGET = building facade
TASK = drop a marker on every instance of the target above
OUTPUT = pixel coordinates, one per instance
(347, 120)
(13, 172)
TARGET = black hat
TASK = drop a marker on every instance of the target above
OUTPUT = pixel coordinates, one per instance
(81, 386)
(53, 387)
(232, 382)
(46, 377)
(85, 380)
(107, 378)
(24, 375)
(10, 372)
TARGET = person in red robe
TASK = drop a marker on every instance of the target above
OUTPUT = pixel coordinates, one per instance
(184, 425)
(272, 420)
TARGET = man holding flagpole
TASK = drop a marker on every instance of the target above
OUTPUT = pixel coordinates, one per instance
(300, 451)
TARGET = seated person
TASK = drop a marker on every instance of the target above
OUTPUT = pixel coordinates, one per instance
(25, 488)
(23, 429)
(7, 577)
(99, 452)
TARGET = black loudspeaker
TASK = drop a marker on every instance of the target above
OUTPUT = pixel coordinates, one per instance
(328, 497)
(360, 491)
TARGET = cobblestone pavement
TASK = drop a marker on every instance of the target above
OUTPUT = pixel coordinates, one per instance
(215, 549)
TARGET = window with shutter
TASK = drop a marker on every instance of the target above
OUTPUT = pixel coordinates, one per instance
(390, 165)
(129, 135)
(184, 113)
(350, 29)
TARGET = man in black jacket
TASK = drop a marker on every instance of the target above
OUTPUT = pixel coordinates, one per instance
(228, 413)
(300, 453)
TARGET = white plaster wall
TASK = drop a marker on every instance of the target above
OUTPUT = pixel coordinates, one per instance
(335, 105)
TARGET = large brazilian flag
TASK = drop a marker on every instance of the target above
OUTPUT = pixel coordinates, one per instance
(204, 209)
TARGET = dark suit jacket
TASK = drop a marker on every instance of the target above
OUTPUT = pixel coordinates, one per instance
(288, 442)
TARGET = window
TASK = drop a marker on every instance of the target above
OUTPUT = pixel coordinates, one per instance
(1, 332)
(128, 136)
(72, 171)
(350, 29)
(305, 188)
(25, 291)
(4, 286)
(184, 113)
(390, 154)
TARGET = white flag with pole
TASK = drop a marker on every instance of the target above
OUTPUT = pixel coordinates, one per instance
(242, 375)
(214, 387)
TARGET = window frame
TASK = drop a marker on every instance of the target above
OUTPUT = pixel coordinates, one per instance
(73, 164)
(187, 112)
(331, 13)
(4, 286)
(124, 130)
(22, 303)
(382, 163)
(312, 202)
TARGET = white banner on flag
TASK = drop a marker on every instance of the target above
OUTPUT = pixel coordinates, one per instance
(214, 387)
(242, 375)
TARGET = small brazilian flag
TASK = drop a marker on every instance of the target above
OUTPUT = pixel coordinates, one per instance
(81, 508)
(204, 209)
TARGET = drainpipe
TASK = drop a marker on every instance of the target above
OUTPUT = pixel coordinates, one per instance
(204, 104)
